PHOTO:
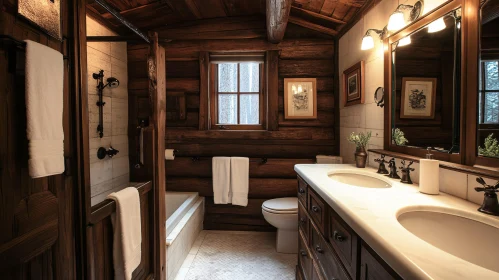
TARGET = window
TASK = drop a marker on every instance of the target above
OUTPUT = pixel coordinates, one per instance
(489, 93)
(237, 95)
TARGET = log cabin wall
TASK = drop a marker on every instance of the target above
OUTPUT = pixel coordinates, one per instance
(302, 53)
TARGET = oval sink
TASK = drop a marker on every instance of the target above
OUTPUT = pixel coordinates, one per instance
(461, 236)
(357, 179)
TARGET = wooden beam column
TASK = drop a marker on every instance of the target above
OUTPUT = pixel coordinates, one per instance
(204, 64)
(272, 65)
(157, 90)
(277, 19)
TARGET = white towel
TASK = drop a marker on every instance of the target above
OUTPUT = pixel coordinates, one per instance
(44, 105)
(127, 236)
(221, 179)
(328, 159)
(239, 180)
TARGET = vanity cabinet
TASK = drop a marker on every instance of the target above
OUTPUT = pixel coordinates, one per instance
(329, 248)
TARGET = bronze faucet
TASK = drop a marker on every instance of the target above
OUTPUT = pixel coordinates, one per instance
(393, 169)
(406, 172)
(382, 168)
(490, 205)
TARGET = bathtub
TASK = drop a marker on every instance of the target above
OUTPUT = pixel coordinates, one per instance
(184, 222)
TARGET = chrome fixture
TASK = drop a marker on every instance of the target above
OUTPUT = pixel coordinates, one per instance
(111, 83)
(490, 205)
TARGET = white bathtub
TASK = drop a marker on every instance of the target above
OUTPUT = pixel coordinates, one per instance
(184, 221)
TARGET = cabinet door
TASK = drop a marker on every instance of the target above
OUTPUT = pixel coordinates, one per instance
(303, 222)
(305, 261)
(302, 191)
(344, 241)
(328, 262)
(372, 267)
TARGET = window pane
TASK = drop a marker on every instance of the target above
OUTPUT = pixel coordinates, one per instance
(227, 108)
(250, 109)
(491, 108)
(491, 75)
(227, 77)
(250, 77)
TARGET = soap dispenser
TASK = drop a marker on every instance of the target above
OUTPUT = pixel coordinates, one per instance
(429, 175)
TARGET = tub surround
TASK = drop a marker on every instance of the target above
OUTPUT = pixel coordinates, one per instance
(372, 214)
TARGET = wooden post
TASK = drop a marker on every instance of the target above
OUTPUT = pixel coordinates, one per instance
(277, 19)
(157, 90)
(272, 64)
(204, 65)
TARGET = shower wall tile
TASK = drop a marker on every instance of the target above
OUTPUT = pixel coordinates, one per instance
(109, 174)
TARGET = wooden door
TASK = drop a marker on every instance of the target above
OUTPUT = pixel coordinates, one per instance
(37, 216)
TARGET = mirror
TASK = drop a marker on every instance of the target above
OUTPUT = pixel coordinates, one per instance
(425, 86)
(488, 82)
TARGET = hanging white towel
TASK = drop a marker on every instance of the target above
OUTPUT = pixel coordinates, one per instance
(127, 237)
(44, 105)
(221, 179)
(239, 180)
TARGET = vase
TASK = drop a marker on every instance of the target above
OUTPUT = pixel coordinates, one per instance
(360, 157)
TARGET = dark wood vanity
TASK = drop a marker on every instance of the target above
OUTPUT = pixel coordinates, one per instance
(328, 248)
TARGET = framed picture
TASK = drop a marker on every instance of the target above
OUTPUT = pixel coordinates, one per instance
(353, 84)
(46, 14)
(300, 98)
(418, 98)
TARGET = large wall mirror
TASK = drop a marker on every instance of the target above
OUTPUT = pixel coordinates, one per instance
(425, 91)
(488, 82)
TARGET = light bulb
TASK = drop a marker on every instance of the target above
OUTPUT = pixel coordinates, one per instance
(404, 41)
(436, 26)
(396, 21)
(367, 43)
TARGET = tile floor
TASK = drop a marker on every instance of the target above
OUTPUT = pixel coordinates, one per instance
(232, 255)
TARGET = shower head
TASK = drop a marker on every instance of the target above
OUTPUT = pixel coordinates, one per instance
(113, 82)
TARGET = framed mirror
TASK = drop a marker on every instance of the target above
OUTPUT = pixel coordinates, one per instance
(487, 130)
(423, 86)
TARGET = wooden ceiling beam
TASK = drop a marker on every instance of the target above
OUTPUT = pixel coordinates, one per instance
(313, 26)
(277, 19)
(295, 9)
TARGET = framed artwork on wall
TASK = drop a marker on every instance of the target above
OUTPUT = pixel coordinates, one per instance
(418, 98)
(300, 98)
(353, 84)
(46, 14)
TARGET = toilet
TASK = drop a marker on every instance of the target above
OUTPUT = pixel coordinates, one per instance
(282, 213)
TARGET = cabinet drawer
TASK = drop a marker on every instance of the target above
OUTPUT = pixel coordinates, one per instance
(328, 262)
(317, 211)
(303, 222)
(372, 267)
(305, 261)
(344, 241)
(302, 191)
(316, 275)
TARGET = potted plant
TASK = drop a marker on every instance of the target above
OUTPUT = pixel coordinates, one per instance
(360, 140)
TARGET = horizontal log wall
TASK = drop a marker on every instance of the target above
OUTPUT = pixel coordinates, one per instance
(301, 54)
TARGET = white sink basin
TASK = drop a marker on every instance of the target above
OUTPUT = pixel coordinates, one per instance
(456, 232)
(360, 179)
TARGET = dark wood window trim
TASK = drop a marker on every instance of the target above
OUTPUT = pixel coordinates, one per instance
(213, 101)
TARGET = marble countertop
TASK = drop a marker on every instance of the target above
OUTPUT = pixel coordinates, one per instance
(372, 213)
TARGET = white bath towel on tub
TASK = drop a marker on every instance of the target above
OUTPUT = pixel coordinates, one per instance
(239, 180)
(221, 179)
(44, 105)
(127, 237)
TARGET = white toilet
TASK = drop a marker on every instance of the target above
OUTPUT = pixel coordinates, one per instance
(283, 214)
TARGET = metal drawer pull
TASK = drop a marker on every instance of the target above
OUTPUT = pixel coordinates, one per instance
(315, 208)
(301, 190)
(303, 253)
(338, 237)
(319, 249)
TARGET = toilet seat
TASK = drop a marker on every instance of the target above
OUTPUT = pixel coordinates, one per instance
(285, 205)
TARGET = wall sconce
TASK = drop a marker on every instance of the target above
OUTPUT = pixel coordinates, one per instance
(397, 19)
(368, 40)
(437, 25)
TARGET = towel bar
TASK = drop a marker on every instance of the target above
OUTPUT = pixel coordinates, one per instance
(261, 161)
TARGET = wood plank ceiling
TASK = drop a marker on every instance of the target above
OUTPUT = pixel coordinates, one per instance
(326, 16)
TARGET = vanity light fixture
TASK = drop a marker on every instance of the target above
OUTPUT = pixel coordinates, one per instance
(404, 41)
(397, 19)
(368, 40)
(437, 25)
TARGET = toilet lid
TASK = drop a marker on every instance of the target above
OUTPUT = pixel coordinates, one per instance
(285, 205)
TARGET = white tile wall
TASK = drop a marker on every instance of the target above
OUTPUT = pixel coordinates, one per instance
(367, 116)
(107, 175)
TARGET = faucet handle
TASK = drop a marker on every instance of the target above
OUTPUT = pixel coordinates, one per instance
(486, 187)
(408, 167)
(381, 160)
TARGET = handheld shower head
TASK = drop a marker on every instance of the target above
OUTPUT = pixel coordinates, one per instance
(113, 82)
